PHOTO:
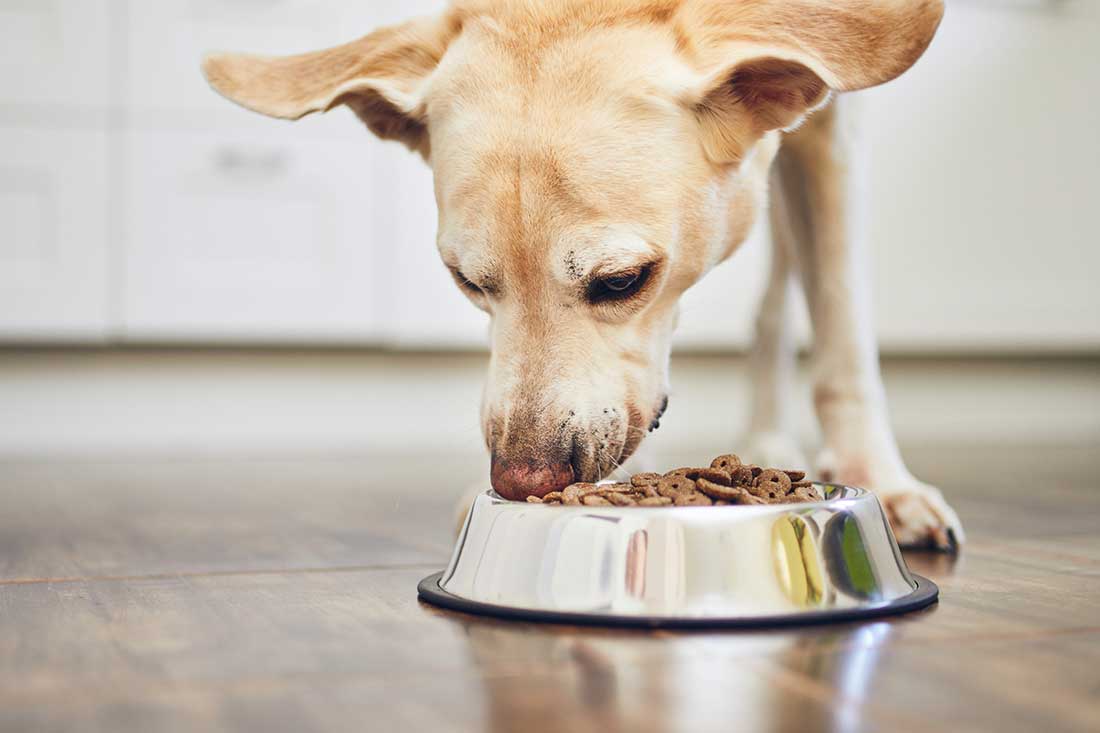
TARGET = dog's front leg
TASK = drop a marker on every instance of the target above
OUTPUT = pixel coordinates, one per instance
(772, 438)
(820, 183)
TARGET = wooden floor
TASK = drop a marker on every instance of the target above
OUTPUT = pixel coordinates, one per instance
(280, 596)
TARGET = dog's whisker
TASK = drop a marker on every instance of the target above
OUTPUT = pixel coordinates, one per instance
(614, 466)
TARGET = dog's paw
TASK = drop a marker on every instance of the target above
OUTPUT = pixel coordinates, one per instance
(775, 448)
(920, 517)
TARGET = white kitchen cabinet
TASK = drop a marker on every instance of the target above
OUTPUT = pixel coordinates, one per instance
(54, 254)
(55, 53)
(298, 232)
(168, 38)
(242, 237)
(423, 308)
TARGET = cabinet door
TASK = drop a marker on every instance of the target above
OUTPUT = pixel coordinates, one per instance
(55, 53)
(54, 255)
(169, 37)
(250, 237)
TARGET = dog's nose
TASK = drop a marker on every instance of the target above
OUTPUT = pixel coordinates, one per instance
(518, 480)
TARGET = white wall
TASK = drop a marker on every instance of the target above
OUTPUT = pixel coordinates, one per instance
(137, 206)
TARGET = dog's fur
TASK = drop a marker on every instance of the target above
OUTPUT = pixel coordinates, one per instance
(593, 159)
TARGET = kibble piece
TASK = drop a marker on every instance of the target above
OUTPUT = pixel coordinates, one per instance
(673, 486)
(795, 475)
(691, 473)
(572, 494)
(775, 483)
(618, 488)
(534, 499)
(552, 496)
(743, 476)
(641, 480)
(716, 475)
(747, 499)
(767, 493)
(594, 500)
(804, 494)
(801, 484)
(620, 499)
(655, 501)
(718, 491)
(692, 499)
(728, 463)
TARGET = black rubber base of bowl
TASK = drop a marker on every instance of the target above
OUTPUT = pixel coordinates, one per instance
(925, 595)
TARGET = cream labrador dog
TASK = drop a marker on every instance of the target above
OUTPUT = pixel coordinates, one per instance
(593, 159)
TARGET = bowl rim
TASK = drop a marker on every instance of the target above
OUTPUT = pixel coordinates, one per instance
(857, 494)
(924, 595)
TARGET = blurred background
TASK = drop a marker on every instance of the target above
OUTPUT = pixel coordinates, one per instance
(181, 278)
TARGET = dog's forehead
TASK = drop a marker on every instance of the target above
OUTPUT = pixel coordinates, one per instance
(526, 61)
(553, 208)
(557, 174)
(599, 102)
(560, 154)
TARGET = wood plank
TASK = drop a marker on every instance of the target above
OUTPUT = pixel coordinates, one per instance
(124, 519)
(1046, 683)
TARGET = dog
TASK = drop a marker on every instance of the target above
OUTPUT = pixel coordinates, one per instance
(593, 159)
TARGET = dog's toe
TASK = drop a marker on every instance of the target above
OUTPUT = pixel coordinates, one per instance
(921, 519)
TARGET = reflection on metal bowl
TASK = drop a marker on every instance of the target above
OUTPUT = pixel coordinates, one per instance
(680, 566)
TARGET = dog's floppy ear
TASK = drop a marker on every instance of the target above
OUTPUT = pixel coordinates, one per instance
(379, 76)
(773, 61)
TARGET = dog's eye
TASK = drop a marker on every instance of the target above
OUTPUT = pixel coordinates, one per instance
(621, 283)
(465, 283)
(619, 286)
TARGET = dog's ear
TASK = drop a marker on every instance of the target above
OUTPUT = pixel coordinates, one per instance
(380, 77)
(771, 62)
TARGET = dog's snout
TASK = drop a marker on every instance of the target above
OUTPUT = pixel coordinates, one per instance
(517, 480)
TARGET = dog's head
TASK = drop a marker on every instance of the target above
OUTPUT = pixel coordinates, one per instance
(593, 159)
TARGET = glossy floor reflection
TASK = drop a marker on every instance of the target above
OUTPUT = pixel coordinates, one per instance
(280, 596)
(580, 680)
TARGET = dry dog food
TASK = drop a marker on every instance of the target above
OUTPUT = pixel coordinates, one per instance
(726, 481)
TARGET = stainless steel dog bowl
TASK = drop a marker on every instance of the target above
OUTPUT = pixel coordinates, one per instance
(833, 560)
